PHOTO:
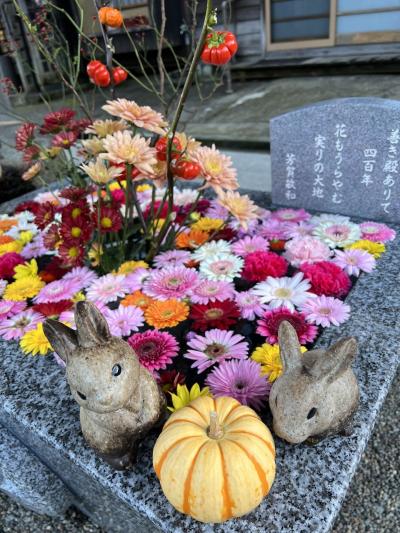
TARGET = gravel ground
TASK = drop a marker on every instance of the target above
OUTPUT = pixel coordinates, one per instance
(372, 504)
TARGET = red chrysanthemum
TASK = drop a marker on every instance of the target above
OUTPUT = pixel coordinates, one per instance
(31, 154)
(53, 309)
(65, 139)
(78, 230)
(8, 262)
(110, 219)
(29, 205)
(55, 269)
(24, 136)
(201, 207)
(73, 194)
(51, 237)
(327, 279)
(225, 234)
(259, 265)
(72, 254)
(268, 325)
(219, 315)
(164, 211)
(56, 121)
(79, 125)
(277, 245)
(75, 210)
(45, 215)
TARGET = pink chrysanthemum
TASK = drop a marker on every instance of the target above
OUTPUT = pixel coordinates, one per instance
(273, 229)
(215, 346)
(171, 258)
(154, 349)
(124, 320)
(216, 169)
(82, 276)
(16, 326)
(172, 282)
(287, 214)
(57, 290)
(248, 244)
(9, 308)
(354, 261)
(377, 232)
(249, 305)
(241, 380)
(326, 310)
(208, 290)
(136, 279)
(106, 289)
(306, 250)
(269, 324)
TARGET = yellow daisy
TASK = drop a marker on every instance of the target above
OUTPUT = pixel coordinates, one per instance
(183, 396)
(143, 188)
(28, 269)
(374, 248)
(270, 360)
(14, 246)
(208, 224)
(35, 342)
(23, 288)
(25, 237)
(130, 266)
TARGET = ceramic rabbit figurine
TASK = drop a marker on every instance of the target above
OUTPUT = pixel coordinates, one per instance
(317, 393)
(119, 399)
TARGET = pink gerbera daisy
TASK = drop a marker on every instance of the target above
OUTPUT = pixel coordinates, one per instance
(287, 214)
(274, 229)
(303, 229)
(268, 325)
(136, 279)
(326, 310)
(171, 258)
(241, 380)
(108, 288)
(9, 308)
(208, 290)
(249, 244)
(57, 290)
(16, 326)
(354, 261)
(249, 305)
(82, 276)
(216, 345)
(154, 349)
(171, 282)
(377, 232)
(124, 320)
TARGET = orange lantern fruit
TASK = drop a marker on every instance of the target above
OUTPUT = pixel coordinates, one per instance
(110, 16)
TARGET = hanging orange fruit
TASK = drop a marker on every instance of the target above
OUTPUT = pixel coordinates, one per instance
(110, 16)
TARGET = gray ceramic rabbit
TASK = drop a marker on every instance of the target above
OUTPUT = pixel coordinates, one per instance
(317, 393)
(119, 399)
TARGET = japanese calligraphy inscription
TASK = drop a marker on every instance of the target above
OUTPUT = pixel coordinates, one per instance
(339, 156)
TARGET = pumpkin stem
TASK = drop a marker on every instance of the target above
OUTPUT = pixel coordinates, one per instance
(214, 430)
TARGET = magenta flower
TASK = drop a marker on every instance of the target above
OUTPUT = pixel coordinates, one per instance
(57, 290)
(287, 214)
(135, 280)
(306, 250)
(241, 380)
(108, 288)
(16, 326)
(249, 244)
(82, 276)
(268, 325)
(274, 229)
(35, 248)
(9, 308)
(171, 258)
(326, 310)
(249, 305)
(355, 261)
(171, 282)
(377, 232)
(208, 290)
(124, 320)
(216, 345)
(154, 349)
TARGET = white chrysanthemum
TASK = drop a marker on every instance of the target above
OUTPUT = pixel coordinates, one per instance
(185, 196)
(212, 249)
(284, 292)
(337, 234)
(99, 172)
(223, 267)
(15, 231)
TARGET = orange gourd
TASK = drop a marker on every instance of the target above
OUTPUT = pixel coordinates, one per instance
(215, 459)
(110, 16)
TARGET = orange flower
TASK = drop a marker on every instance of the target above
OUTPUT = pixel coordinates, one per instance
(138, 299)
(7, 224)
(166, 314)
(192, 239)
(5, 239)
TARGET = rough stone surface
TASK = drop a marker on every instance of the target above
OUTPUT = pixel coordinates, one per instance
(311, 482)
(28, 481)
(339, 156)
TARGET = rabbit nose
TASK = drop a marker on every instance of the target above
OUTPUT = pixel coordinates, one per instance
(81, 395)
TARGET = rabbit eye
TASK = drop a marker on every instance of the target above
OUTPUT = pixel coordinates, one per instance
(311, 413)
(116, 370)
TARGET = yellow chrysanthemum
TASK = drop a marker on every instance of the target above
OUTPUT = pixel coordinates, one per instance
(183, 396)
(25, 237)
(143, 188)
(79, 297)
(374, 248)
(95, 254)
(208, 224)
(23, 288)
(14, 246)
(270, 360)
(130, 266)
(28, 269)
(35, 342)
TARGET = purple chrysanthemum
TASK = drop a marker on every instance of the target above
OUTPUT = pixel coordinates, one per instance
(354, 261)
(82, 276)
(208, 290)
(16, 326)
(249, 244)
(241, 380)
(172, 282)
(154, 349)
(108, 288)
(35, 248)
(57, 290)
(249, 305)
(326, 310)
(171, 258)
(124, 320)
(216, 345)
(9, 308)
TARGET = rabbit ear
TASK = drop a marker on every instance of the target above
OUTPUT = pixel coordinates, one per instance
(91, 325)
(289, 346)
(336, 360)
(62, 338)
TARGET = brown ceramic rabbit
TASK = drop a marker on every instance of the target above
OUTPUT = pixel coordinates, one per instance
(119, 399)
(317, 393)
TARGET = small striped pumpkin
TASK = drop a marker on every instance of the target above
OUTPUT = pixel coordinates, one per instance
(215, 459)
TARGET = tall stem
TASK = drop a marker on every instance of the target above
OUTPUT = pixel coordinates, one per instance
(108, 49)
